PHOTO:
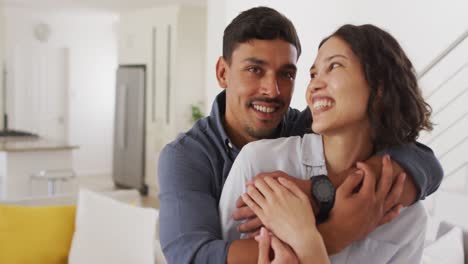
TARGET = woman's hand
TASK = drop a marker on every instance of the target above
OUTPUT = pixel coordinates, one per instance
(250, 222)
(282, 252)
(285, 210)
(281, 206)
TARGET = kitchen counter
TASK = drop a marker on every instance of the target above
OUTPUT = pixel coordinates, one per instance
(26, 144)
(20, 157)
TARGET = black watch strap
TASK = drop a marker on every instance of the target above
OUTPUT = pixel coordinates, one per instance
(323, 193)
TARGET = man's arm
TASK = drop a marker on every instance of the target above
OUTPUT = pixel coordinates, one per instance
(189, 223)
(424, 175)
(243, 251)
(417, 160)
(420, 164)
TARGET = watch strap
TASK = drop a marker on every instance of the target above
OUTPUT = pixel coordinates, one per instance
(325, 204)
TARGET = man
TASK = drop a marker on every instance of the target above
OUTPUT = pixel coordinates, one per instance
(257, 71)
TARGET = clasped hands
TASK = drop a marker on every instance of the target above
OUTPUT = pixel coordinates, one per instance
(366, 197)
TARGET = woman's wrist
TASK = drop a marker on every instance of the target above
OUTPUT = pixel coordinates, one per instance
(308, 243)
(311, 249)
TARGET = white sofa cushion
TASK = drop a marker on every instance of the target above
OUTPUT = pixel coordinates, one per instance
(108, 231)
(447, 248)
(451, 207)
(160, 259)
(128, 196)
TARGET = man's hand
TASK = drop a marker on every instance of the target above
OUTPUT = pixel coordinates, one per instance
(359, 209)
(409, 194)
(252, 226)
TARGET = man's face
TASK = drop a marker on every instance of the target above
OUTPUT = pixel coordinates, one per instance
(259, 83)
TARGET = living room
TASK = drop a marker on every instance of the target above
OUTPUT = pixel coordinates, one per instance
(72, 107)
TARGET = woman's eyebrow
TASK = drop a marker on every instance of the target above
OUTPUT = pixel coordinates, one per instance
(329, 59)
(335, 56)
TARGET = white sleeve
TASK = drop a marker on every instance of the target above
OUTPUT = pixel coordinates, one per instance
(233, 188)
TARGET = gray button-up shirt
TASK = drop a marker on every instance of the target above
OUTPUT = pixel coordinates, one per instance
(193, 168)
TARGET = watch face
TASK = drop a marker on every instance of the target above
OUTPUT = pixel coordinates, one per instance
(323, 190)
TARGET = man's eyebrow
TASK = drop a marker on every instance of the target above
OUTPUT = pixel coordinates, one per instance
(329, 59)
(290, 66)
(255, 61)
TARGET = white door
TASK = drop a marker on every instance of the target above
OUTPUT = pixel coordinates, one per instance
(38, 90)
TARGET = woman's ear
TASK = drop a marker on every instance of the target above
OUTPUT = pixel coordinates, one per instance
(222, 68)
(380, 90)
(377, 104)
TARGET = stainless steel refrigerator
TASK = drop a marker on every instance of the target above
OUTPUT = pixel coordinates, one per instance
(129, 128)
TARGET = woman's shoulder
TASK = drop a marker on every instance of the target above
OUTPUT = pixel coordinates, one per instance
(286, 152)
(280, 144)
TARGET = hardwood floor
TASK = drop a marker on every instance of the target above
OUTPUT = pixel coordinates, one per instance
(105, 183)
(150, 201)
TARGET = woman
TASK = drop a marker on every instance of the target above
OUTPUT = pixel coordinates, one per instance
(364, 97)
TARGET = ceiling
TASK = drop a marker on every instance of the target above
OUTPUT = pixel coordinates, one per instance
(105, 5)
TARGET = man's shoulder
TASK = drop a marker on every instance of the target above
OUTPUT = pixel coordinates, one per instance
(201, 139)
(190, 153)
(196, 137)
(296, 123)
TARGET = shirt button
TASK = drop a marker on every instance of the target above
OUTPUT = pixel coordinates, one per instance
(229, 145)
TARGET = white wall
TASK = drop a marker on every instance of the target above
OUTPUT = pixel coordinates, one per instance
(189, 63)
(423, 27)
(185, 77)
(216, 22)
(91, 40)
(2, 41)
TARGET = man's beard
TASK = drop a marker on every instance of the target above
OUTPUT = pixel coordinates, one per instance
(260, 133)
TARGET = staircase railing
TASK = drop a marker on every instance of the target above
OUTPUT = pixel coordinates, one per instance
(443, 54)
(462, 117)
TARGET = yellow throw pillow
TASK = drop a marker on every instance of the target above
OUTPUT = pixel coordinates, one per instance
(39, 235)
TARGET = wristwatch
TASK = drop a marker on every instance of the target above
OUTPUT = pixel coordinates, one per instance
(323, 192)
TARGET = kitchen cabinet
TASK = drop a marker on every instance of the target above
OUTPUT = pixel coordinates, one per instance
(170, 42)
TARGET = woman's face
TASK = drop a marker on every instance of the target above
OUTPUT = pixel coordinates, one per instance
(338, 92)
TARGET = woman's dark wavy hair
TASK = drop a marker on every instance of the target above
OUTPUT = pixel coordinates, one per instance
(396, 107)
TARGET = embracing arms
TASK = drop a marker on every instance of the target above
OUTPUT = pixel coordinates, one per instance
(424, 175)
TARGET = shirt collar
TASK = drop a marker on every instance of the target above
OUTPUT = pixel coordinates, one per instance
(217, 112)
(312, 150)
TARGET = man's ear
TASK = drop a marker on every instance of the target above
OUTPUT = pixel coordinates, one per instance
(222, 68)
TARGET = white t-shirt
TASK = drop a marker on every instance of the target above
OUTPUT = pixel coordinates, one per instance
(400, 241)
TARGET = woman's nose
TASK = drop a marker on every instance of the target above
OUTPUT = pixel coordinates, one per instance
(316, 84)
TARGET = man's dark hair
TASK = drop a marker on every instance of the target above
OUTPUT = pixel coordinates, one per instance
(396, 107)
(262, 23)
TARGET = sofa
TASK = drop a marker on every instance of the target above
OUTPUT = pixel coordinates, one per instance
(447, 232)
(131, 197)
(442, 239)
